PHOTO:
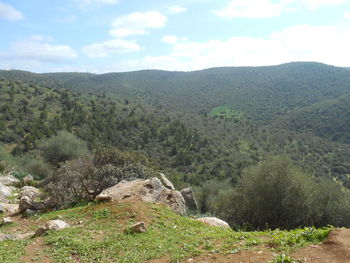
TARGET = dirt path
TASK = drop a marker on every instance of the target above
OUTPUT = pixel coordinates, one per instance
(336, 249)
(33, 252)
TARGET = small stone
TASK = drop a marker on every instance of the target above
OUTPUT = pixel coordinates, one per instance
(139, 227)
(6, 221)
(51, 225)
(56, 225)
(103, 197)
(40, 231)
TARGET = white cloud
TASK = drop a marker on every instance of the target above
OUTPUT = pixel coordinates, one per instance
(35, 51)
(250, 9)
(268, 8)
(175, 9)
(327, 44)
(347, 15)
(88, 3)
(8, 12)
(137, 23)
(169, 39)
(313, 4)
(115, 46)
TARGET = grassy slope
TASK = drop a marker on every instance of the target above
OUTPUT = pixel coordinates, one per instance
(100, 233)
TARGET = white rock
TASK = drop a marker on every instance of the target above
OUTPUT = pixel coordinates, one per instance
(9, 208)
(5, 191)
(6, 221)
(213, 221)
(8, 179)
(30, 192)
(51, 225)
(166, 182)
(149, 190)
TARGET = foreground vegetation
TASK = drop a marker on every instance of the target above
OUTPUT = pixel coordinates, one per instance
(100, 233)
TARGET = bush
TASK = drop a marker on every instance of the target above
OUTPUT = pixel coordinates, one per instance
(277, 194)
(35, 166)
(82, 179)
(62, 147)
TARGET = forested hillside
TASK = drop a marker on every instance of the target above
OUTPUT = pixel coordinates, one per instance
(194, 147)
(266, 95)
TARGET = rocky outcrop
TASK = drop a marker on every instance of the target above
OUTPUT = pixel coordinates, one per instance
(30, 192)
(148, 190)
(27, 203)
(51, 225)
(5, 192)
(189, 198)
(166, 182)
(9, 208)
(213, 221)
(8, 180)
(28, 179)
(28, 198)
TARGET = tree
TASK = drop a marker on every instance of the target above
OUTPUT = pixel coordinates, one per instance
(62, 147)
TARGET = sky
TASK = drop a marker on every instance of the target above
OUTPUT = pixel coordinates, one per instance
(180, 35)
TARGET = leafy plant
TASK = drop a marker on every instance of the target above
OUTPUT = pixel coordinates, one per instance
(283, 259)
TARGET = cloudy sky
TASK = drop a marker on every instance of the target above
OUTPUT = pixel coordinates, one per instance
(124, 35)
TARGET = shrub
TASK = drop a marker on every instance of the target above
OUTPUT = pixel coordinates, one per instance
(277, 194)
(62, 147)
(35, 166)
(82, 179)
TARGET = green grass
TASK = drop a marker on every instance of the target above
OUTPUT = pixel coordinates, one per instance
(296, 238)
(224, 112)
(12, 251)
(99, 233)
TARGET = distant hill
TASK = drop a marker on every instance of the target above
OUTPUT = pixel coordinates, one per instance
(262, 94)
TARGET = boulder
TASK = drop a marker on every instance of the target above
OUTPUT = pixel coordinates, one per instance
(8, 180)
(166, 182)
(51, 225)
(27, 179)
(29, 212)
(139, 227)
(30, 192)
(9, 208)
(148, 190)
(27, 203)
(189, 198)
(5, 192)
(213, 221)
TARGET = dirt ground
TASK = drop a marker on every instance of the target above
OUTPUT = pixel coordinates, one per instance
(336, 249)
